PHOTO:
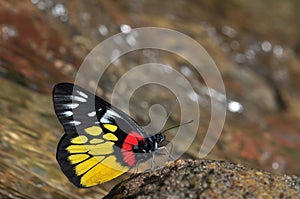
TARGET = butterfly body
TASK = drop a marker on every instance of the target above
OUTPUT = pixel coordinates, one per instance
(100, 142)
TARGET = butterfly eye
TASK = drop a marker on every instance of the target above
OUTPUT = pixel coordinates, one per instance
(159, 138)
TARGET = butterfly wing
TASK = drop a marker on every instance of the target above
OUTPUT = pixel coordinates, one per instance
(98, 139)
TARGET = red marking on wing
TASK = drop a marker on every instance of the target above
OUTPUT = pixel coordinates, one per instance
(131, 140)
(129, 158)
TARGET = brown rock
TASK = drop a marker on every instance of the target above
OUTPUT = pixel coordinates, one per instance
(207, 179)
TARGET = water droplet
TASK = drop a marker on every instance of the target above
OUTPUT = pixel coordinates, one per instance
(250, 54)
(41, 5)
(275, 165)
(125, 28)
(168, 69)
(186, 70)
(278, 51)
(229, 31)
(103, 30)
(235, 107)
(115, 55)
(266, 46)
(8, 32)
(59, 10)
(34, 1)
(214, 94)
(131, 40)
(193, 96)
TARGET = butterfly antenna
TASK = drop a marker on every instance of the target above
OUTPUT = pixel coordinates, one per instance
(172, 109)
(176, 126)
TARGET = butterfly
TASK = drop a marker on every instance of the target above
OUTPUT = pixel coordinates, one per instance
(100, 141)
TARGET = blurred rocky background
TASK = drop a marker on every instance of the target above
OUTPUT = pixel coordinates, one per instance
(255, 44)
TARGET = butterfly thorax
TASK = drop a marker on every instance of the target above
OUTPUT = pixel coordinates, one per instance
(150, 144)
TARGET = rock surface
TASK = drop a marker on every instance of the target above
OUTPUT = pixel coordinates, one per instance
(207, 179)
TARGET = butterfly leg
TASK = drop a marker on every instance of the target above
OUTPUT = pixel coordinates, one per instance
(136, 167)
(153, 162)
(170, 157)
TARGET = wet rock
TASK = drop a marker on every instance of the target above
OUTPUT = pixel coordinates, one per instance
(207, 179)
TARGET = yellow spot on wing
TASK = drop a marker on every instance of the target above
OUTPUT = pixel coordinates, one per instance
(110, 127)
(96, 141)
(78, 158)
(110, 136)
(102, 149)
(94, 130)
(78, 148)
(88, 164)
(79, 139)
(108, 169)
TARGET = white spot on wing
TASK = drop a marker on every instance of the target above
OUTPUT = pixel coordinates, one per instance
(67, 113)
(75, 123)
(71, 106)
(82, 94)
(92, 114)
(104, 120)
(77, 98)
(111, 113)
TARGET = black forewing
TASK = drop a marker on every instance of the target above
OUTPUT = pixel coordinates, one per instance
(74, 111)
